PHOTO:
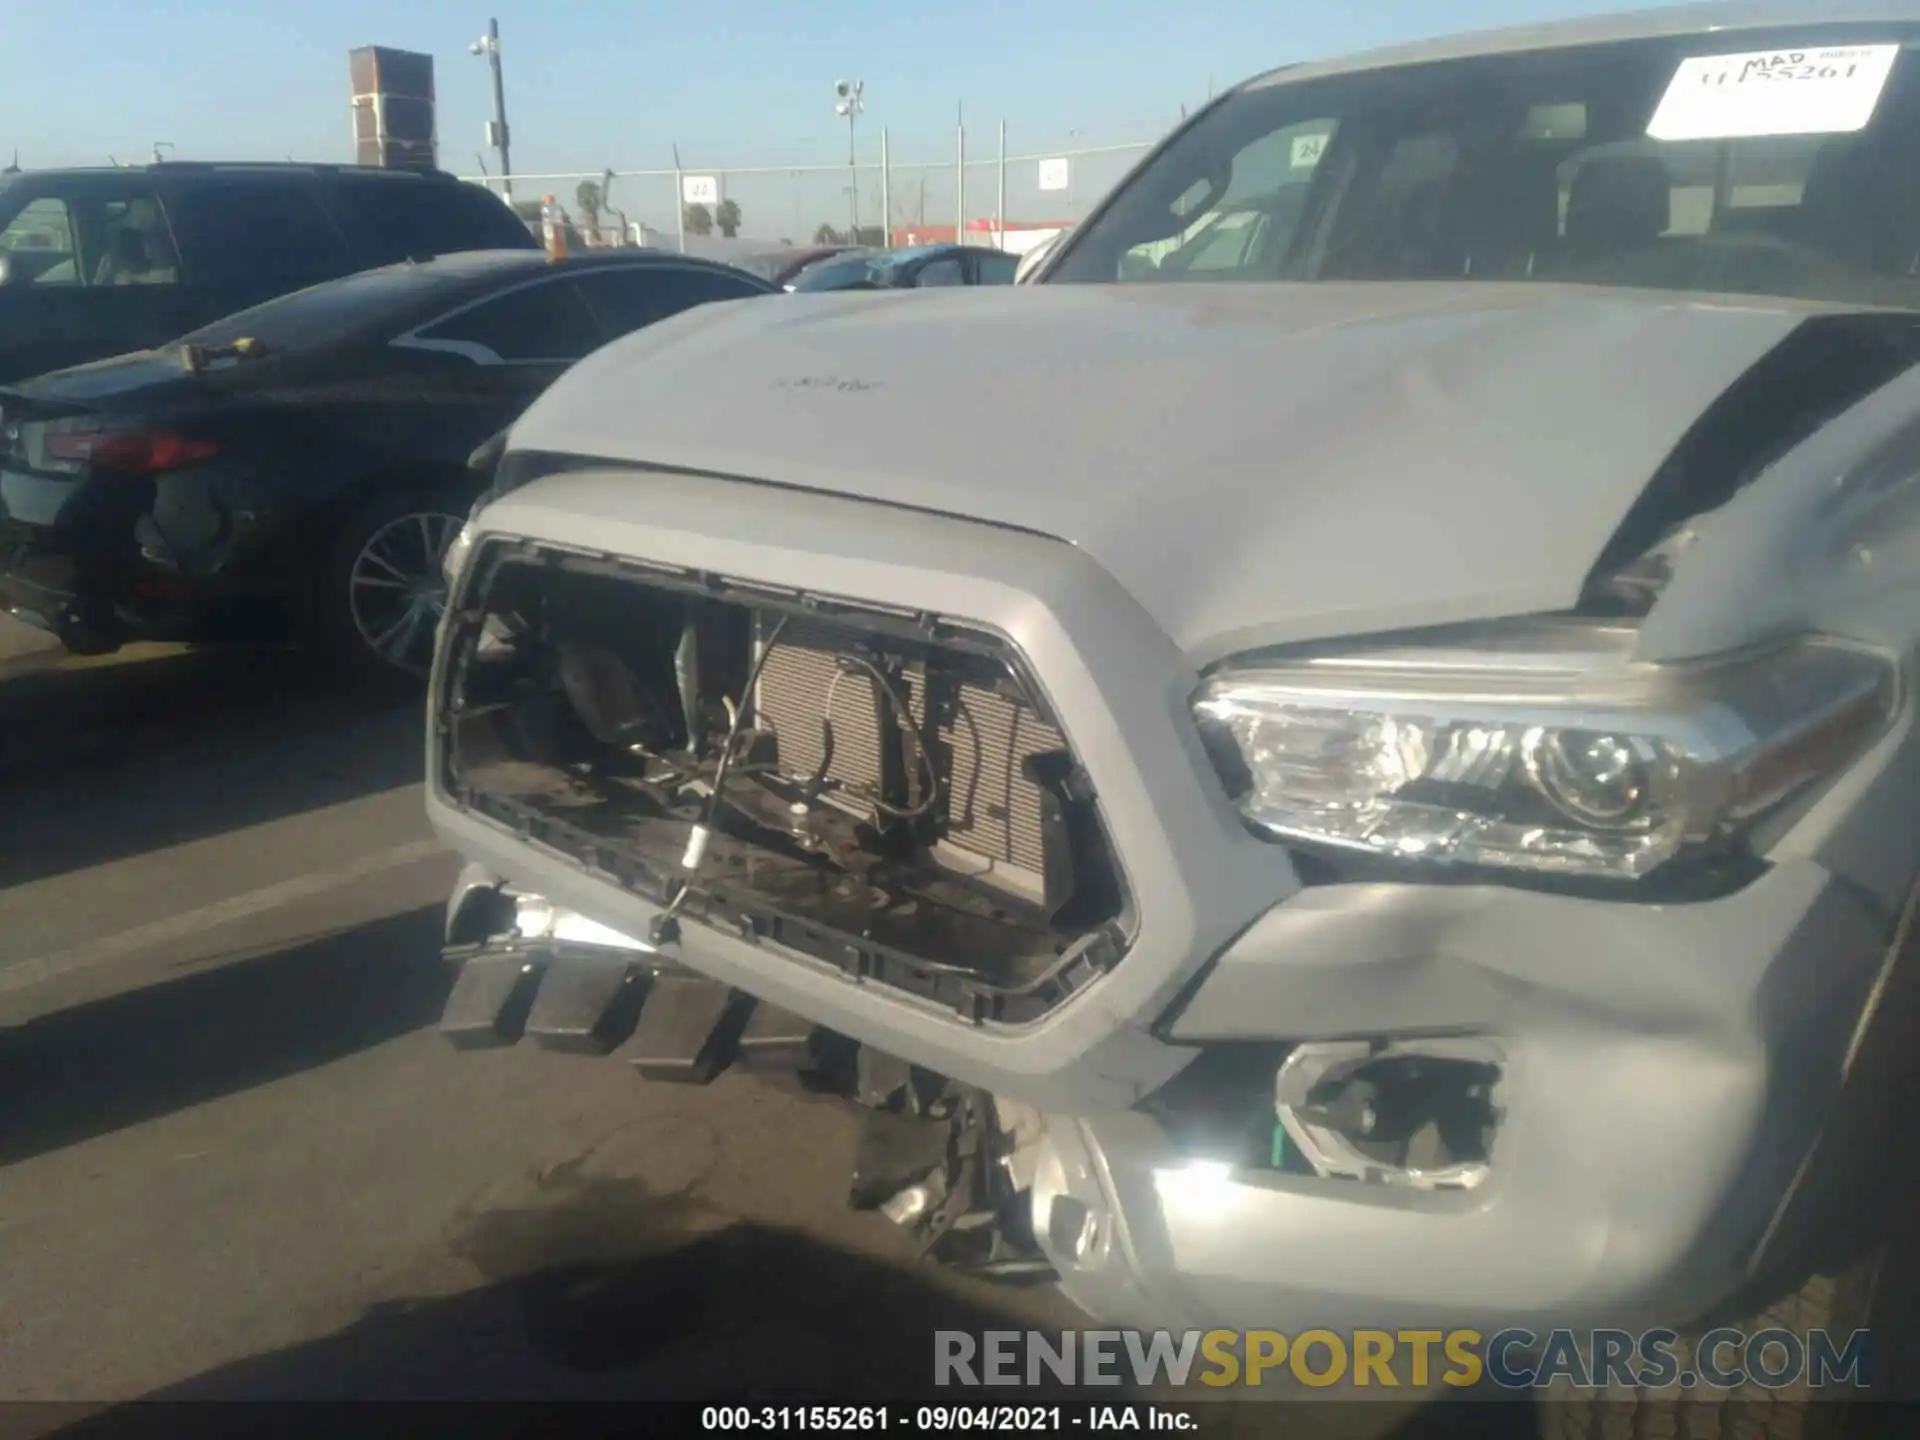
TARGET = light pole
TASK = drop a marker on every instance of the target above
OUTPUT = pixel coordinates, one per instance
(489, 46)
(847, 102)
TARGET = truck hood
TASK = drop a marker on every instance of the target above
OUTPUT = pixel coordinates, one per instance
(1257, 464)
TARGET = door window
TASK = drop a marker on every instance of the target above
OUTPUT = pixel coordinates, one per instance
(545, 323)
(132, 242)
(624, 299)
(39, 246)
(686, 288)
(92, 237)
(996, 268)
(254, 235)
(945, 271)
(402, 219)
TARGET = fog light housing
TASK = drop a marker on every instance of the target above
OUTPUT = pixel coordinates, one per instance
(1421, 1114)
(1069, 1211)
(537, 918)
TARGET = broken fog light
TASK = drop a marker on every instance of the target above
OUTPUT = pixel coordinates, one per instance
(1543, 747)
(1416, 1114)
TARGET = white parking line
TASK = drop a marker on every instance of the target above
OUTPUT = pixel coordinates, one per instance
(35, 971)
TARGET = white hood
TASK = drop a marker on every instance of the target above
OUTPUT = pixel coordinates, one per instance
(1256, 463)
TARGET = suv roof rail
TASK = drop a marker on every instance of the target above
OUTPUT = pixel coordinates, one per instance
(308, 167)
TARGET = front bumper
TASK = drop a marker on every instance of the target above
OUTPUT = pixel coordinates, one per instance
(1667, 1072)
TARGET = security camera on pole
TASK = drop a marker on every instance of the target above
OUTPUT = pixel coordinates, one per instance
(489, 46)
(847, 102)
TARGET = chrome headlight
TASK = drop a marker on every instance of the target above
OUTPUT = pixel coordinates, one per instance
(1543, 748)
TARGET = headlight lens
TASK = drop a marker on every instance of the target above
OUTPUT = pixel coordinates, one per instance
(1544, 748)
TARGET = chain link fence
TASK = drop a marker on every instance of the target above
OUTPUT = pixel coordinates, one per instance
(922, 200)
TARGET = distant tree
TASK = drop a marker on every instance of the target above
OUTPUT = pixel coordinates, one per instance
(699, 220)
(590, 201)
(874, 235)
(825, 234)
(727, 217)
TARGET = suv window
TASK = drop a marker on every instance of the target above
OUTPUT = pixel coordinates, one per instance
(392, 219)
(258, 234)
(38, 243)
(94, 235)
(546, 322)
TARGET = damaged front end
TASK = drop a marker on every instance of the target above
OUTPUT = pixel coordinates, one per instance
(879, 792)
(946, 1162)
(882, 792)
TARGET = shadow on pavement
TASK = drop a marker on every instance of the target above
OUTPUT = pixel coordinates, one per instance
(106, 761)
(742, 1314)
(143, 1053)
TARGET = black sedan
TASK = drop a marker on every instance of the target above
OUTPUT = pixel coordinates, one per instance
(911, 268)
(297, 470)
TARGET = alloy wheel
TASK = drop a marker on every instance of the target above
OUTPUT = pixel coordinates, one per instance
(396, 592)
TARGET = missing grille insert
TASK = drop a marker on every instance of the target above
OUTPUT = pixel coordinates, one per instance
(899, 802)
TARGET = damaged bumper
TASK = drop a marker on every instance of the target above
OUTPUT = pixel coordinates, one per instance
(1279, 1103)
(1637, 1170)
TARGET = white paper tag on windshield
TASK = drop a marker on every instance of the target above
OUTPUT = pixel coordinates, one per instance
(1774, 92)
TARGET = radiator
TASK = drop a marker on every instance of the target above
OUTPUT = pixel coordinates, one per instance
(991, 810)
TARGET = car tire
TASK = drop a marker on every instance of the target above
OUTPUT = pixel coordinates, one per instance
(1838, 1304)
(379, 591)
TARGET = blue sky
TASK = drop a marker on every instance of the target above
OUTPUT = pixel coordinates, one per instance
(594, 85)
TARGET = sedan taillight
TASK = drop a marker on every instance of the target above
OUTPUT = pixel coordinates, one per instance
(134, 452)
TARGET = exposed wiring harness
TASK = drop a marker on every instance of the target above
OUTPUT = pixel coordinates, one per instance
(666, 924)
(817, 781)
(693, 861)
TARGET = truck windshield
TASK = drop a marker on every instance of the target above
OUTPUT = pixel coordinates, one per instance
(1770, 164)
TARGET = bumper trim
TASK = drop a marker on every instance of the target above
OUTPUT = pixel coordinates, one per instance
(583, 1004)
(490, 1000)
(667, 1022)
(688, 1029)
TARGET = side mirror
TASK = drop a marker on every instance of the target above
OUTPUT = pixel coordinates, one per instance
(6, 268)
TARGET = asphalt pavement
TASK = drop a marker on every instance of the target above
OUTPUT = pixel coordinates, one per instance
(237, 1163)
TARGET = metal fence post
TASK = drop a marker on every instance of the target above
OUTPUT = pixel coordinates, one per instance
(1000, 196)
(960, 181)
(886, 192)
(679, 200)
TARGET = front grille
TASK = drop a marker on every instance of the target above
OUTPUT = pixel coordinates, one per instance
(989, 807)
(996, 893)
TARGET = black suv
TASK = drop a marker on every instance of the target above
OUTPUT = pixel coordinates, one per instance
(100, 262)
